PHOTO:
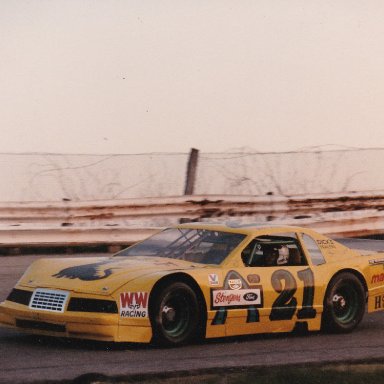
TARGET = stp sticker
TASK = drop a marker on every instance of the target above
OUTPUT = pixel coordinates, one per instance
(238, 298)
(213, 279)
(134, 304)
(253, 279)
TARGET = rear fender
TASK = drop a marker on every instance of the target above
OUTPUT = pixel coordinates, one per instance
(375, 280)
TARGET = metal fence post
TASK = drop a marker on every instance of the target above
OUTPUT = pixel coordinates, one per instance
(191, 172)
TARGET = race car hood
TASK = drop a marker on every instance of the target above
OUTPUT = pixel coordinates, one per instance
(101, 275)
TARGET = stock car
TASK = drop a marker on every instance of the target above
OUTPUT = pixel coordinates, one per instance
(195, 281)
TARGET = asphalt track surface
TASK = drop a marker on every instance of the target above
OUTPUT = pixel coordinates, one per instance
(28, 359)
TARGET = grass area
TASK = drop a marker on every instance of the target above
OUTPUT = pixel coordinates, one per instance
(328, 374)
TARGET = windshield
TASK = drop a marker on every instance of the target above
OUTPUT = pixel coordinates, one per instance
(195, 245)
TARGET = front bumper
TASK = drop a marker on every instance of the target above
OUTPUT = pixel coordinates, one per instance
(103, 327)
(72, 324)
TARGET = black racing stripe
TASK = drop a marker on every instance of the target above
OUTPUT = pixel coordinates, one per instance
(20, 296)
(78, 304)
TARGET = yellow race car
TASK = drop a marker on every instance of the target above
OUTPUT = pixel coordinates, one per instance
(196, 281)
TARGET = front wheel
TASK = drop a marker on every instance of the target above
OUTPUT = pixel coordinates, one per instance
(176, 315)
(344, 303)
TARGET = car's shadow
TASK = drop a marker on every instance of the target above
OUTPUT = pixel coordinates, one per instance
(16, 338)
(13, 337)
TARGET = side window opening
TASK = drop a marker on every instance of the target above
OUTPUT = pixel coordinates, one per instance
(274, 250)
(313, 249)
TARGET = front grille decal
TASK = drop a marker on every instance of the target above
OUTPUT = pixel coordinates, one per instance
(49, 300)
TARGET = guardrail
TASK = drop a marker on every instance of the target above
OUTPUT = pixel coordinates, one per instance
(123, 222)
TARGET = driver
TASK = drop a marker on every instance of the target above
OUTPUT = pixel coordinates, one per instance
(283, 257)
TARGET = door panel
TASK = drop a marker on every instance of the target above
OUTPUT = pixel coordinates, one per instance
(286, 298)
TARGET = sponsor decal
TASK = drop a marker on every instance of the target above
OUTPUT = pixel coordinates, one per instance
(236, 293)
(326, 244)
(134, 304)
(250, 296)
(165, 263)
(376, 261)
(240, 298)
(213, 279)
(235, 284)
(379, 278)
(379, 302)
(253, 279)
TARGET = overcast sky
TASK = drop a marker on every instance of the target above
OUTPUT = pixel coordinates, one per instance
(105, 76)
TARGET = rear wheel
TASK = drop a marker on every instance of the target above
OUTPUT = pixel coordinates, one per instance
(344, 304)
(176, 315)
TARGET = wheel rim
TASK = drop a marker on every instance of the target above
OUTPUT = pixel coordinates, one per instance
(175, 315)
(345, 304)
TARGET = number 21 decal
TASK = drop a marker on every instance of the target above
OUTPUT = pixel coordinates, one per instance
(284, 307)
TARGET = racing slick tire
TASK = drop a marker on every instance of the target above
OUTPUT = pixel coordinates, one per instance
(344, 304)
(175, 316)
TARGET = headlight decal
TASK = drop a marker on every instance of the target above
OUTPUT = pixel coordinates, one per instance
(78, 304)
(20, 296)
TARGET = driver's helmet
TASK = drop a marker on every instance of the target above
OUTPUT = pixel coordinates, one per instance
(283, 255)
